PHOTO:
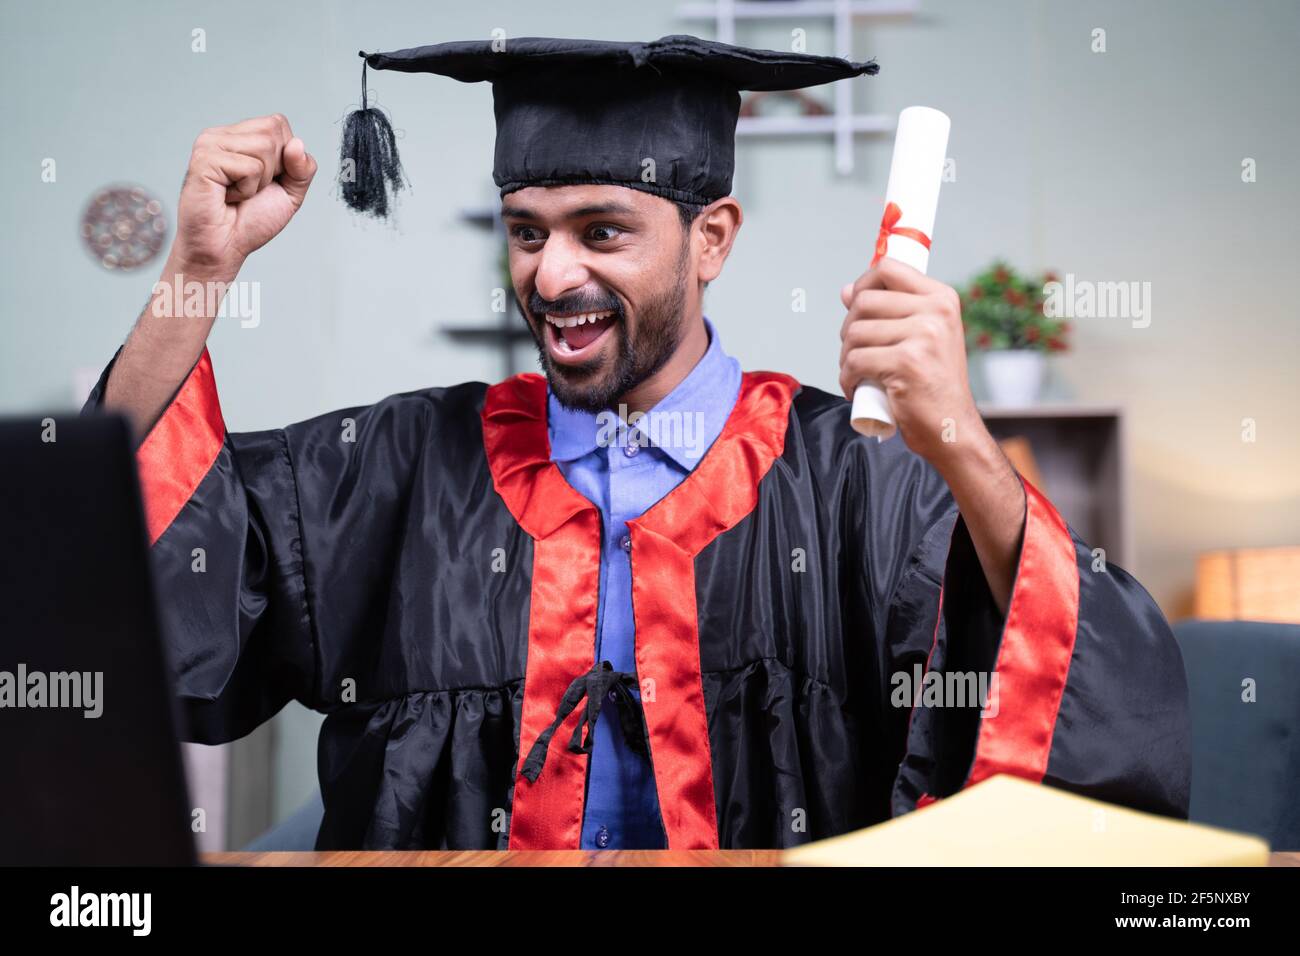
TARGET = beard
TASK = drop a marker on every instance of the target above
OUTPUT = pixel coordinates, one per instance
(593, 386)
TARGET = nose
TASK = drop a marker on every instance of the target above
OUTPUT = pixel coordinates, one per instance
(560, 269)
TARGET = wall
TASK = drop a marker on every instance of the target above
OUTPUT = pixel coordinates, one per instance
(1123, 165)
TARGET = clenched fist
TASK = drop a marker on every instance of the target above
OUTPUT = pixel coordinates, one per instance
(243, 185)
(904, 332)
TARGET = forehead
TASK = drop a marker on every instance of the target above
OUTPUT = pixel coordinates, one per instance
(568, 202)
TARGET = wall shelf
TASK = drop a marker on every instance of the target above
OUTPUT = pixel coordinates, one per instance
(842, 124)
(1080, 452)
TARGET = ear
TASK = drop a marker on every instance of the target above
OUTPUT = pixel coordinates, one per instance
(714, 231)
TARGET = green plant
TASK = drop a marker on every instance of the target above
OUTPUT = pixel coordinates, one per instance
(1003, 310)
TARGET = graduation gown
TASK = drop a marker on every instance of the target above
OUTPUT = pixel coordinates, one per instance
(419, 571)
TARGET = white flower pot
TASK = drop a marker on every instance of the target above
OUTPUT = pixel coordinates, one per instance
(1013, 376)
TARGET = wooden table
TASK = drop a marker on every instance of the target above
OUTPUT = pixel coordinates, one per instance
(535, 858)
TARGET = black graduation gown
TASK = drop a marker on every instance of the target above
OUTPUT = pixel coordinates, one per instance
(421, 573)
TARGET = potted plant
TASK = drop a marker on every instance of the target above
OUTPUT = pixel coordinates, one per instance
(1007, 328)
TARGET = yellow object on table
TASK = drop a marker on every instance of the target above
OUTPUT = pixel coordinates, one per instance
(1006, 821)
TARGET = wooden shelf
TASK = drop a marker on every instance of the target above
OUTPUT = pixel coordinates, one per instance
(1081, 452)
(1062, 410)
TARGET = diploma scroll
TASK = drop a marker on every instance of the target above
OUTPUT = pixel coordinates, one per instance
(920, 149)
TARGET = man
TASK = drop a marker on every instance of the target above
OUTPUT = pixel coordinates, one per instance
(533, 622)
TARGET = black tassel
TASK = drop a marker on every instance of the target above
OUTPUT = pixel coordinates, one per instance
(370, 171)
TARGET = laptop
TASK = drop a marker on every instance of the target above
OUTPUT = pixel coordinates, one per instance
(93, 772)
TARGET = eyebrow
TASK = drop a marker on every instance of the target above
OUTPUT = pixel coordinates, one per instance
(596, 209)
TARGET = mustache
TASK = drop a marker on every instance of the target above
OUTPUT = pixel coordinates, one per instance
(574, 305)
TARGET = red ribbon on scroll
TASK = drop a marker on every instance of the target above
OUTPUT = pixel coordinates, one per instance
(889, 227)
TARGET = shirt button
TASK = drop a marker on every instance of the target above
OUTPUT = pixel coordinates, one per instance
(602, 837)
(632, 447)
(625, 542)
(613, 696)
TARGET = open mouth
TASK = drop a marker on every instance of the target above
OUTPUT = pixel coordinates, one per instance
(573, 337)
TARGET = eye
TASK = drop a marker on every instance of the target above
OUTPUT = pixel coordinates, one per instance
(526, 234)
(603, 233)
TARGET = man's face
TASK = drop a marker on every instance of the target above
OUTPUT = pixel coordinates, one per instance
(601, 275)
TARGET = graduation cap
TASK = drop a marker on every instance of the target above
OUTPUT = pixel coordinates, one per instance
(658, 116)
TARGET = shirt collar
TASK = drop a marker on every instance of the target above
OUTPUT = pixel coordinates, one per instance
(683, 425)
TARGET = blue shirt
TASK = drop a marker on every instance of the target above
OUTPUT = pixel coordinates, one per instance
(623, 471)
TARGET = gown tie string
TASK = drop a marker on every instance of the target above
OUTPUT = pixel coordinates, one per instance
(596, 685)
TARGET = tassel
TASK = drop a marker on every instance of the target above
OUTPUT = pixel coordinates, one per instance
(370, 171)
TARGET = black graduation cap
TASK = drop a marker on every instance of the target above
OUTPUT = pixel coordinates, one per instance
(657, 116)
